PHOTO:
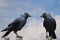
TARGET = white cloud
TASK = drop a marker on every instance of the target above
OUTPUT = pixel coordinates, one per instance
(58, 26)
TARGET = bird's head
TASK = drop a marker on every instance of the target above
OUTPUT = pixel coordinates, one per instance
(27, 15)
(46, 15)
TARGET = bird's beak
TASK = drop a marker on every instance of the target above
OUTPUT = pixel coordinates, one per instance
(29, 15)
(41, 16)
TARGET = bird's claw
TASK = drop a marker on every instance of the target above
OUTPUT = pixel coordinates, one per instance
(46, 36)
(19, 36)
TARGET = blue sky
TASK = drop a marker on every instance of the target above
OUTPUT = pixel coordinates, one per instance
(11, 9)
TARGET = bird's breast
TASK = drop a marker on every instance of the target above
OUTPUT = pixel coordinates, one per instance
(21, 25)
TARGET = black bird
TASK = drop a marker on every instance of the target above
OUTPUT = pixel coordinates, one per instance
(49, 24)
(16, 25)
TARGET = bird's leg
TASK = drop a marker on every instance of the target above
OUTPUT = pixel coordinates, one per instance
(17, 34)
(47, 34)
(50, 35)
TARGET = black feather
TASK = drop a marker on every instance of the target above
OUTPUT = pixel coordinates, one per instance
(6, 33)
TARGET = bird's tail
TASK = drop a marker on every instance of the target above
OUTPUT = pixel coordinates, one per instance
(4, 30)
(6, 33)
(53, 35)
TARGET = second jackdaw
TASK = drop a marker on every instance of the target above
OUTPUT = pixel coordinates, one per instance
(49, 24)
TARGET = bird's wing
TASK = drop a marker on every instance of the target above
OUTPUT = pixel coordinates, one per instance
(15, 23)
(54, 24)
(7, 33)
(49, 24)
(45, 23)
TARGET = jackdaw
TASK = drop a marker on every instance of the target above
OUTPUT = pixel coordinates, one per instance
(16, 25)
(49, 24)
